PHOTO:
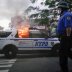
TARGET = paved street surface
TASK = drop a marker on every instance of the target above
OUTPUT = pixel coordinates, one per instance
(31, 63)
(6, 64)
(37, 63)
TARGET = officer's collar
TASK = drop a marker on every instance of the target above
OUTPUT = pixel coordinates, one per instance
(64, 12)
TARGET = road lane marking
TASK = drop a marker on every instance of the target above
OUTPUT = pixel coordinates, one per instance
(4, 70)
(9, 60)
(12, 60)
(1, 55)
(7, 63)
(10, 65)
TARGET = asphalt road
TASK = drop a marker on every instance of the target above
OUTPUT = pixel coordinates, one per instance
(6, 64)
(37, 63)
(31, 63)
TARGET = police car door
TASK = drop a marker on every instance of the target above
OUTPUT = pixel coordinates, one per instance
(25, 44)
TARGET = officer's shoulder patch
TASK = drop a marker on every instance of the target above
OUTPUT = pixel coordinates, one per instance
(68, 18)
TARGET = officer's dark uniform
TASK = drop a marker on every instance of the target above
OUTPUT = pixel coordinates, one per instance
(65, 41)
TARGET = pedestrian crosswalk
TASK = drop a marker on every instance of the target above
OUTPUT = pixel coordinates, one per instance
(6, 64)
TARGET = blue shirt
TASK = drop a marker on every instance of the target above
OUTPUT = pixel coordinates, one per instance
(64, 22)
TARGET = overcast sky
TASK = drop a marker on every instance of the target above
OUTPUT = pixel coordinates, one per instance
(9, 7)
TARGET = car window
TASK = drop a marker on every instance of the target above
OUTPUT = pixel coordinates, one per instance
(4, 34)
(37, 34)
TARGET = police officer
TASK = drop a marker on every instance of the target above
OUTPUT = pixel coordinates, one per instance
(64, 31)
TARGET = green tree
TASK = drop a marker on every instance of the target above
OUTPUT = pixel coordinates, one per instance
(43, 20)
(51, 3)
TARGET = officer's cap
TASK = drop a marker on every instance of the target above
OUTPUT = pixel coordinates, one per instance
(63, 5)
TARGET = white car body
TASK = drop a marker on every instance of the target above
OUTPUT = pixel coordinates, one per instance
(27, 43)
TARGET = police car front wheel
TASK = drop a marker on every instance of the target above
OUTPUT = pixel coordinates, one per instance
(10, 51)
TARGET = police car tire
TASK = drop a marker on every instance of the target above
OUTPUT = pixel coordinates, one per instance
(55, 48)
(10, 51)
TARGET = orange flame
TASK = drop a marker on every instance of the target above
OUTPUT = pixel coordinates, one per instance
(22, 26)
(23, 32)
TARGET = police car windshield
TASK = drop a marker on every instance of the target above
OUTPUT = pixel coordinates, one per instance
(4, 34)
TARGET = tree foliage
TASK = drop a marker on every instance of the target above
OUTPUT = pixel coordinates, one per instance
(43, 20)
(51, 3)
